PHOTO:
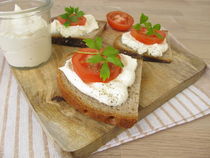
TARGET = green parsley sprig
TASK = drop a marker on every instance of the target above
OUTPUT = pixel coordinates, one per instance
(104, 56)
(71, 15)
(151, 30)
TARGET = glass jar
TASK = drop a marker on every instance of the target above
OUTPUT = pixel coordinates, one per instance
(25, 38)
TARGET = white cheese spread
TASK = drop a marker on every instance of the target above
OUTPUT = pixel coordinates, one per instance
(113, 93)
(25, 40)
(74, 31)
(154, 49)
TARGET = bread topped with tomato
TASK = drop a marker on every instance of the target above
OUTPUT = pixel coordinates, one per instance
(73, 26)
(102, 84)
(142, 39)
(166, 57)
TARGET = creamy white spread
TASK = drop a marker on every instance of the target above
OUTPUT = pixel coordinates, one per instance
(74, 31)
(154, 49)
(113, 93)
(25, 40)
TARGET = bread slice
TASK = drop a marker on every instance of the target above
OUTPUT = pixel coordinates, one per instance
(166, 58)
(78, 41)
(125, 115)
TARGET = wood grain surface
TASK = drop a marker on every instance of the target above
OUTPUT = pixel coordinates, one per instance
(81, 135)
(40, 87)
(189, 21)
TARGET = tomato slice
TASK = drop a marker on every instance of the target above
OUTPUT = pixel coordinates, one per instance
(119, 20)
(141, 36)
(81, 21)
(89, 72)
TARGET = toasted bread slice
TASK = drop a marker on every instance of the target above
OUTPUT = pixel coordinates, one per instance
(78, 41)
(166, 58)
(125, 115)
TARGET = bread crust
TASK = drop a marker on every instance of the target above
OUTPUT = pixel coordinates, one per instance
(73, 42)
(73, 99)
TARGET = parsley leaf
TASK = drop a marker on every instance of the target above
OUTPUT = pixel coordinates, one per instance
(64, 16)
(148, 25)
(71, 15)
(104, 71)
(95, 59)
(137, 26)
(76, 10)
(98, 43)
(73, 19)
(143, 18)
(80, 13)
(151, 30)
(90, 43)
(69, 10)
(115, 60)
(156, 27)
(110, 51)
(103, 56)
(94, 44)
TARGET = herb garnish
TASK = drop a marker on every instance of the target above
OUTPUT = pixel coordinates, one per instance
(72, 15)
(151, 30)
(104, 56)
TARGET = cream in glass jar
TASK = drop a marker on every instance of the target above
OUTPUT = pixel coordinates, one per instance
(25, 33)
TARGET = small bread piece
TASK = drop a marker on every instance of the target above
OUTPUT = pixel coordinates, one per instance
(78, 41)
(125, 115)
(166, 58)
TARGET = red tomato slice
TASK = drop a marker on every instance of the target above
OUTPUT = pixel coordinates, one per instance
(81, 21)
(120, 21)
(141, 36)
(89, 72)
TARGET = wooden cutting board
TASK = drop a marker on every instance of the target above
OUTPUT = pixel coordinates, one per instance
(78, 135)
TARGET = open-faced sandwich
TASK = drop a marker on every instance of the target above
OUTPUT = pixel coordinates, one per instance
(101, 83)
(73, 26)
(145, 39)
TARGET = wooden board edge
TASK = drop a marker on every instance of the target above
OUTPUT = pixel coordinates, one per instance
(173, 92)
(57, 145)
(180, 47)
(92, 147)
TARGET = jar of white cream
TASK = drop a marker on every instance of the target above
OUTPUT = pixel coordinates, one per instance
(25, 38)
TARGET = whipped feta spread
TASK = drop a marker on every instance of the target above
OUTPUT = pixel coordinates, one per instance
(153, 49)
(113, 93)
(74, 31)
(25, 40)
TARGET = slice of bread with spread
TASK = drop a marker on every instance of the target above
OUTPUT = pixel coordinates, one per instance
(166, 58)
(125, 115)
(78, 41)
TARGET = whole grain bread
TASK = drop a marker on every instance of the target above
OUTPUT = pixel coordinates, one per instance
(166, 58)
(125, 115)
(78, 41)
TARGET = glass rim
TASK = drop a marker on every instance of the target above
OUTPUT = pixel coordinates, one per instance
(46, 5)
